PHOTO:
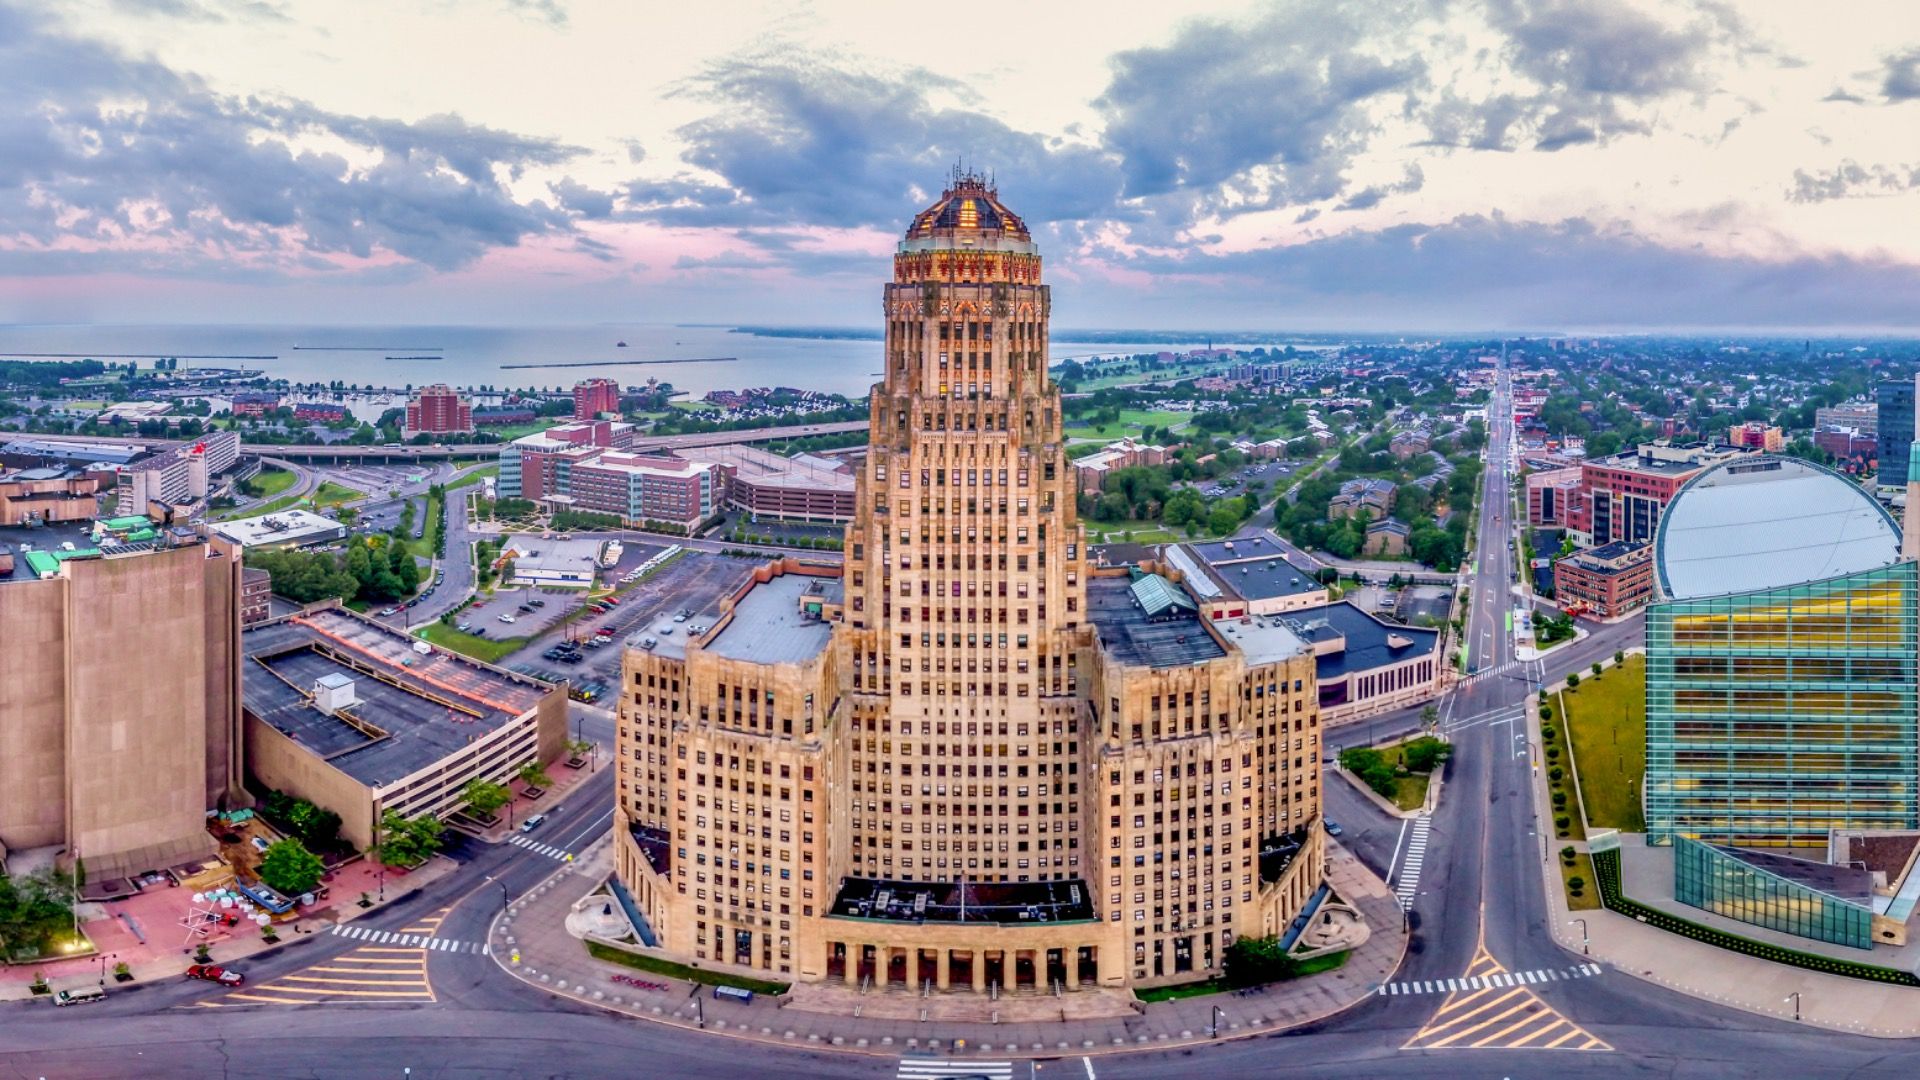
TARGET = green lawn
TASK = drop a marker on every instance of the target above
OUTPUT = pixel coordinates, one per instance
(1607, 717)
(492, 650)
(1410, 791)
(272, 481)
(1130, 423)
(1138, 532)
(672, 970)
(284, 503)
(474, 477)
(332, 494)
(1315, 966)
(510, 432)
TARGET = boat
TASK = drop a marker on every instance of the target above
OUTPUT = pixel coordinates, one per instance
(619, 344)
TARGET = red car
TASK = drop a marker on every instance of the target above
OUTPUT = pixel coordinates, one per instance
(213, 974)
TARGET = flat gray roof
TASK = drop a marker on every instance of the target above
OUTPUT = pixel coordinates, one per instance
(1262, 639)
(1130, 637)
(769, 626)
(429, 707)
(1766, 523)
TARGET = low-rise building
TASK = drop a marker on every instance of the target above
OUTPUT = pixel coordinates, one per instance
(1550, 496)
(254, 402)
(1408, 443)
(1386, 538)
(805, 487)
(353, 716)
(1246, 576)
(1757, 436)
(282, 529)
(256, 596)
(50, 494)
(1366, 494)
(1607, 581)
(1363, 665)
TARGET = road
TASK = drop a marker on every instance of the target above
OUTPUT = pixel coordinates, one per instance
(1478, 906)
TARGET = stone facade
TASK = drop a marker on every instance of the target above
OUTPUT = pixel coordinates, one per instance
(944, 768)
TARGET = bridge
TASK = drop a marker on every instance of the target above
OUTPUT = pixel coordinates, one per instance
(344, 453)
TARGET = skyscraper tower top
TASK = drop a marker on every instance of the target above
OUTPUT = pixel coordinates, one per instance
(969, 211)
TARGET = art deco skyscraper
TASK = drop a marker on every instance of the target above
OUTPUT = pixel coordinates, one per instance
(966, 758)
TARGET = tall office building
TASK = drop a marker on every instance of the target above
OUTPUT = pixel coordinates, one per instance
(968, 759)
(120, 695)
(593, 398)
(1894, 400)
(1781, 662)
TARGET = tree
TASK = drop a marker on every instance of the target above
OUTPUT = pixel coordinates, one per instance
(408, 841)
(1422, 754)
(533, 775)
(483, 797)
(1252, 961)
(290, 869)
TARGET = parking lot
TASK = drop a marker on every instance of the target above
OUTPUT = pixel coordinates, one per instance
(1267, 473)
(378, 479)
(695, 581)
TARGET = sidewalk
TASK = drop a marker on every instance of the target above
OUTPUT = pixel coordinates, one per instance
(144, 931)
(531, 942)
(1714, 974)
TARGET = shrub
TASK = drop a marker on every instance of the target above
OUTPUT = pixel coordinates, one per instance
(1554, 774)
(1573, 679)
(1559, 799)
(1619, 656)
(1546, 713)
(1596, 669)
(1577, 884)
(1562, 822)
(1548, 731)
(1567, 855)
(1553, 753)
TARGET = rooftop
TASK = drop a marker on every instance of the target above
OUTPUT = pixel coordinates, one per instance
(282, 527)
(1267, 579)
(1607, 558)
(412, 710)
(757, 466)
(770, 625)
(1130, 637)
(1218, 552)
(1766, 523)
(1262, 639)
(1369, 643)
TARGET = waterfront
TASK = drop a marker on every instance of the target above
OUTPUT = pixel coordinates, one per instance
(475, 356)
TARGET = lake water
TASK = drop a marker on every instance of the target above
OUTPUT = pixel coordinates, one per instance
(478, 355)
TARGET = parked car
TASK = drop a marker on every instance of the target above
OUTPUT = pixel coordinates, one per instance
(79, 996)
(506, 617)
(536, 602)
(532, 823)
(213, 973)
(1333, 827)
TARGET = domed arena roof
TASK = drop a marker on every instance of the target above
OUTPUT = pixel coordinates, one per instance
(970, 203)
(1767, 523)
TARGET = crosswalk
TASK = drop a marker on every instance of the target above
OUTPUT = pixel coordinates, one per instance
(932, 1068)
(539, 848)
(1407, 881)
(1485, 982)
(1488, 673)
(390, 969)
(425, 941)
(1499, 1015)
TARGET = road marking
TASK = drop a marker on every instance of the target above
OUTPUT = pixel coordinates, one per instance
(1409, 880)
(538, 848)
(428, 942)
(1394, 863)
(928, 1068)
(381, 972)
(1495, 1010)
(1088, 1062)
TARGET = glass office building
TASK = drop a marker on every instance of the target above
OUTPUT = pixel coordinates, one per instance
(1895, 399)
(1781, 663)
(1794, 896)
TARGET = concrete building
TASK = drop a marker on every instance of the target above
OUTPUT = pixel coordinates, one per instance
(1093, 468)
(1861, 416)
(1235, 578)
(282, 529)
(1607, 581)
(529, 467)
(46, 495)
(595, 398)
(438, 410)
(1362, 665)
(586, 465)
(256, 596)
(350, 715)
(1846, 443)
(171, 482)
(120, 692)
(805, 487)
(1406, 444)
(941, 762)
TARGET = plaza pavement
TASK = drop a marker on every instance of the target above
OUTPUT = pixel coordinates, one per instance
(531, 942)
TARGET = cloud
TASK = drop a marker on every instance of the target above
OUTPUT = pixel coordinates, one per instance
(1372, 196)
(109, 151)
(1842, 94)
(212, 11)
(582, 199)
(1277, 110)
(1900, 80)
(1851, 180)
(547, 11)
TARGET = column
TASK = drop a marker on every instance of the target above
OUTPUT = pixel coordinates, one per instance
(851, 971)
(942, 975)
(979, 971)
(1070, 959)
(913, 967)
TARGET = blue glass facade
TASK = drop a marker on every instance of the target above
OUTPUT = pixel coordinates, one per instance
(1895, 399)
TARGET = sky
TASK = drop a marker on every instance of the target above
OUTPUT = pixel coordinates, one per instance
(1371, 165)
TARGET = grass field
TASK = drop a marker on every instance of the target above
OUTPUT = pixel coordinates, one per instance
(1410, 791)
(1138, 532)
(272, 481)
(332, 494)
(658, 966)
(491, 650)
(1606, 716)
(1130, 423)
(286, 502)
(474, 477)
(1315, 966)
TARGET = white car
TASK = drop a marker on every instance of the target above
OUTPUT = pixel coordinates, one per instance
(506, 618)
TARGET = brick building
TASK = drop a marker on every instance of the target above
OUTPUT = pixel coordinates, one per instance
(593, 398)
(1606, 581)
(1622, 496)
(438, 410)
(1551, 495)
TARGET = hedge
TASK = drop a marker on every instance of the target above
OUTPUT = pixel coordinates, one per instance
(1606, 867)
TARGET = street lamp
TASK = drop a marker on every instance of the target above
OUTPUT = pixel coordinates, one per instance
(103, 966)
(1584, 939)
(503, 892)
(1795, 998)
(1216, 1021)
